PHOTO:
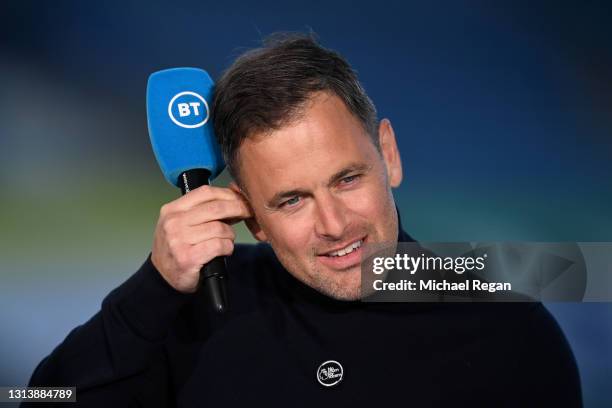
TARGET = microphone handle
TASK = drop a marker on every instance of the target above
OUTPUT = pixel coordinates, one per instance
(212, 275)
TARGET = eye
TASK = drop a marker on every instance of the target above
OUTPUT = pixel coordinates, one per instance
(349, 179)
(291, 202)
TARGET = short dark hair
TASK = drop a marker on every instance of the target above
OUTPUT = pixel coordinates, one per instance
(265, 89)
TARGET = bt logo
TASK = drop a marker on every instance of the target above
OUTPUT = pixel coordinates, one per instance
(188, 109)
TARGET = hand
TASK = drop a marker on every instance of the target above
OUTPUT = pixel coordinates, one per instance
(190, 232)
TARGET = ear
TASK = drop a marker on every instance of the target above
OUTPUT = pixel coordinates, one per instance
(390, 152)
(251, 223)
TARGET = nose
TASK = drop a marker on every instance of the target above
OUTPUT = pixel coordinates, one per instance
(331, 217)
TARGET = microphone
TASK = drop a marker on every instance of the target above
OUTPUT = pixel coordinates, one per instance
(181, 132)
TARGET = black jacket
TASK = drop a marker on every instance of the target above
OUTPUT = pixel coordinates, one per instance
(151, 346)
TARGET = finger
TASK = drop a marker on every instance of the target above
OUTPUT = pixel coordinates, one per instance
(205, 251)
(201, 195)
(244, 198)
(199, 233)
(235, 188)
(217, 210)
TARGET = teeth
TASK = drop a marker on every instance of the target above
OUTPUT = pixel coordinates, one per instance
(347, 250)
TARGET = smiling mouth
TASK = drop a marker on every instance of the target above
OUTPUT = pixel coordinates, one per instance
(345, 250)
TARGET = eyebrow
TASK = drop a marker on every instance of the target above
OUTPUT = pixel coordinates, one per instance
(350, 168)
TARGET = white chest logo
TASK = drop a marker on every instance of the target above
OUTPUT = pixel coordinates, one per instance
(330, 373)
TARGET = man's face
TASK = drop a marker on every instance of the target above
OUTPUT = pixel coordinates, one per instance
(319, 189)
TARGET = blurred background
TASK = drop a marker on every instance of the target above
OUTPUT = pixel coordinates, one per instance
(503, 112)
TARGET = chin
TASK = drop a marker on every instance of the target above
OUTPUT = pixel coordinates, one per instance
(347, 296)
(341, 289)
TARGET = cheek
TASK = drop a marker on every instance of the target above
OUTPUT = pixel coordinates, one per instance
(372, 202)
(290, 234)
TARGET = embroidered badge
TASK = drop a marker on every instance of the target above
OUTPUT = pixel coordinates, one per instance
(330, 373)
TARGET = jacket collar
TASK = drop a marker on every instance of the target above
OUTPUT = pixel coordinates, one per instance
(402, 236)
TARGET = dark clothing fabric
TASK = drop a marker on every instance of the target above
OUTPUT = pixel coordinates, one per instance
(151, 346)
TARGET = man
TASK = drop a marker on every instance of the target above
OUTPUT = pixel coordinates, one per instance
(314, 171)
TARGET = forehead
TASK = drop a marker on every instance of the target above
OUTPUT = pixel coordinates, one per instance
(303, 154)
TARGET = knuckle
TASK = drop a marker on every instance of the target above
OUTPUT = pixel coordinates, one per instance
(203, 192)
(205, 189)
(173, 244)
(225, 246)
(220, 246)
(164, 210)
(180, 259)
(214, 207)
(212, 228)
(169, 224)
(183, 259)
(216, 246)
(240, 208)
(218, 228)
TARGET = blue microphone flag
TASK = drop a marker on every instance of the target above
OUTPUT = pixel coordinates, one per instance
(180, 126)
